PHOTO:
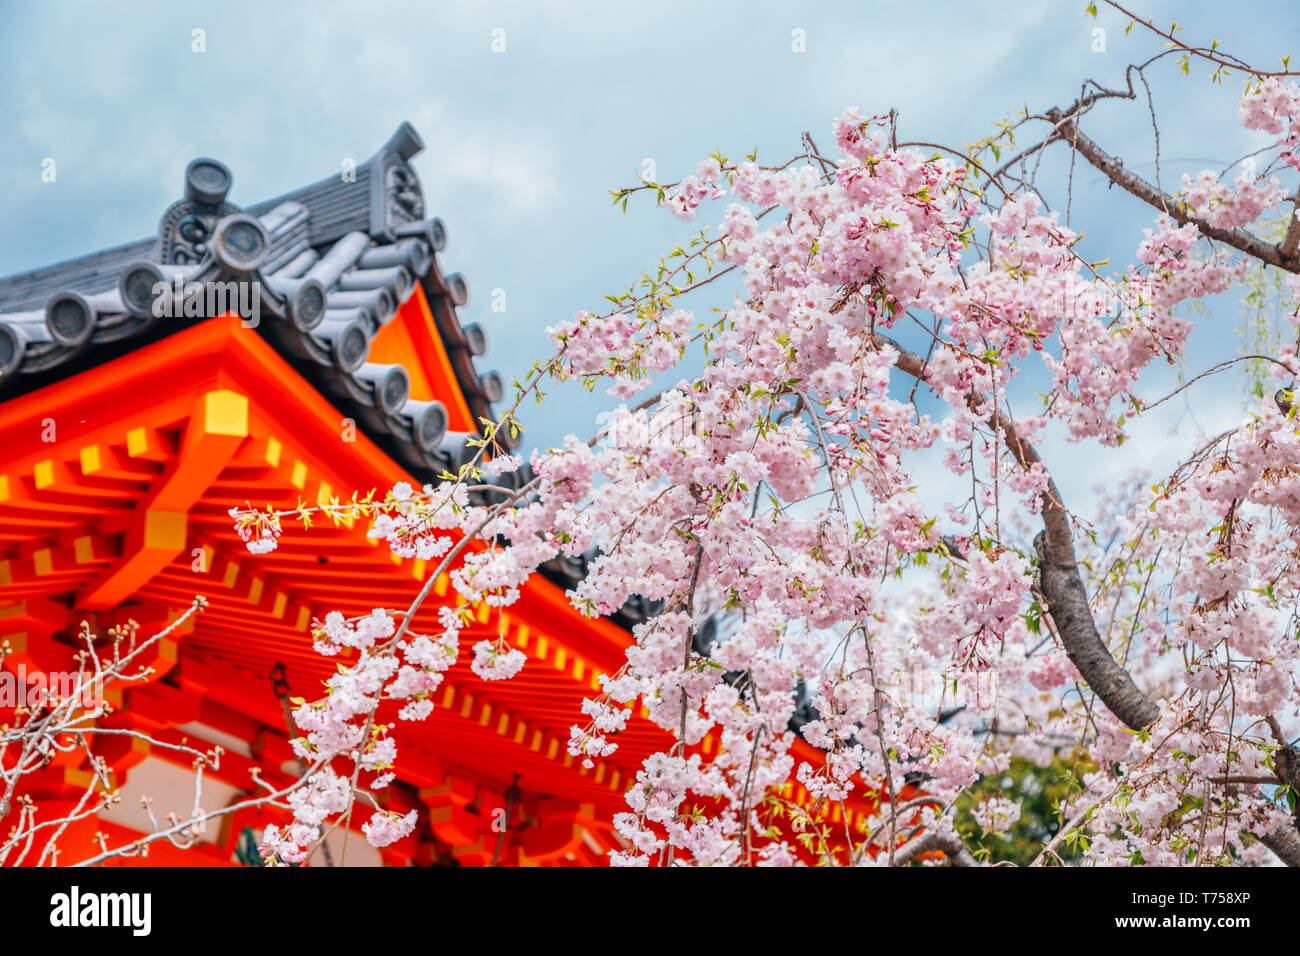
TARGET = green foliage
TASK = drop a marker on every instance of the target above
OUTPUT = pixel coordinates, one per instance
(1266, 301)
(246, 853)
(1040, 792)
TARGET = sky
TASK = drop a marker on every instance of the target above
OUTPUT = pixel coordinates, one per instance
(525, 142)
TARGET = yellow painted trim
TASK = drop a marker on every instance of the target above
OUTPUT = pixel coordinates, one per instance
(137, 442)
(91, 460)
(164, 529)
(225, 413)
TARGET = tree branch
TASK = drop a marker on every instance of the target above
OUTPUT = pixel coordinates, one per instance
(1067, 602)
(1285, 842)
(1112, 167)
(1067, 598)
(1291, 242)
(949, 844)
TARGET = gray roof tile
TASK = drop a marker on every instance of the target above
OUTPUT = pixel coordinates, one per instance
(333, 261)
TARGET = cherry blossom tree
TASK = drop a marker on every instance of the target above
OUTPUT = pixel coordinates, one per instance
(778, 474)
(60, 722)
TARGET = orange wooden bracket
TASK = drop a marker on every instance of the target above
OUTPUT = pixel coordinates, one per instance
(36, 655)
(561, 831)
(32, 614)
(217, 427)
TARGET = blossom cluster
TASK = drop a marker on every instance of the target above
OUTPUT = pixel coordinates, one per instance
(786, 513)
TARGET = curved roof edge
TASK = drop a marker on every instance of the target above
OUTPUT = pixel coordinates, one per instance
(318, 272)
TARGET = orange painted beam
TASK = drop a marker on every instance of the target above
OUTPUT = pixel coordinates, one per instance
(41, 659)
(293, 447)
(32, 614)
(412, 332)
(217, 427)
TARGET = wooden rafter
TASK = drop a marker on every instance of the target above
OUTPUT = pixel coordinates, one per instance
(217, 427)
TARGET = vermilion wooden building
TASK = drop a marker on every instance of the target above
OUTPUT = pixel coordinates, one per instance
(130, 423)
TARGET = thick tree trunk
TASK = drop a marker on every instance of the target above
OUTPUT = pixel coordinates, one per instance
(1067, 599)
(1067, 602)
(1285, 842)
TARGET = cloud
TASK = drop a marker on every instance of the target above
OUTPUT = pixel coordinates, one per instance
(515, 174)
(523, 146)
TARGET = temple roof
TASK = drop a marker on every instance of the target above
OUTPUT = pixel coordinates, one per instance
(318, 272)
(171, 412)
